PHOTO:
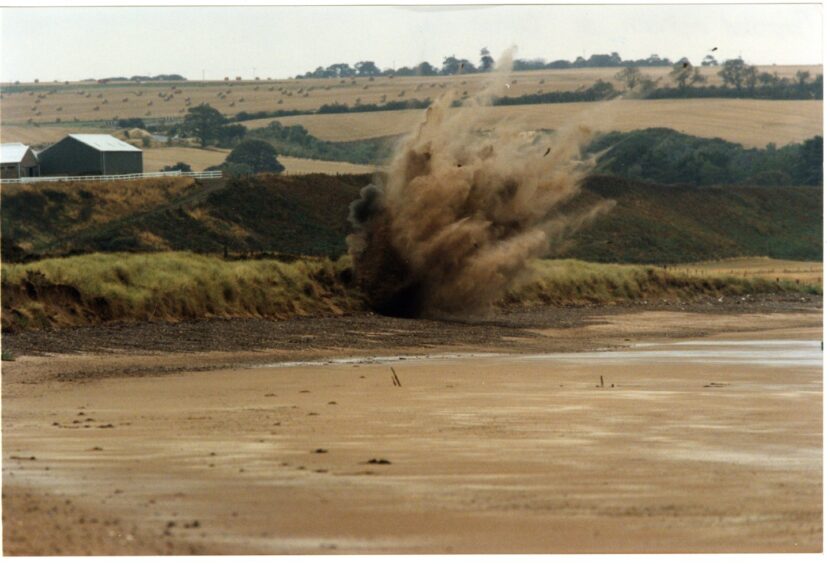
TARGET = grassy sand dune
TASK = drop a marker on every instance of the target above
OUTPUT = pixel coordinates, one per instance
(97, 288)
(801, 272)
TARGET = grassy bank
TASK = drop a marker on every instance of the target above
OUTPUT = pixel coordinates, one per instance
(101, 288)
(96, 288)
(568, 282)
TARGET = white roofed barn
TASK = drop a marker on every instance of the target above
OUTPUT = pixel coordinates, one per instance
(90, 154)
(17, 160)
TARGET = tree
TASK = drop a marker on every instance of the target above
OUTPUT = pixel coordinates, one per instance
(810, 161)
(340, 70)
(630, 76)
(751, 78)
(709, 61)
(733, 73)
(203, 122)
(801, 80)
(257, 154)
(183, 167)
(601, 90)
(767, 79)
(228, 135)
(612, 60)
(367, 68)
(486, 60)
(426, 69)
(685, 74)
(452, 65)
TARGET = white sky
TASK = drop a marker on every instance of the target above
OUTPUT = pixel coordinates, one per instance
(281, 41)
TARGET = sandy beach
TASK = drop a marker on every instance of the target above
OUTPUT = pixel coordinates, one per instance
(630, 431)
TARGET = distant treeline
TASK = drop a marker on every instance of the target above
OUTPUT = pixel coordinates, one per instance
(137, 78)
(453, 65)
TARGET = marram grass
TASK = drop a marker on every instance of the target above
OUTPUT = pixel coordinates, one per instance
(176, 286)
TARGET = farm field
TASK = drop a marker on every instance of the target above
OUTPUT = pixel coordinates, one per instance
(806, 272)
(295, 165)
(39, 136)
(46, 103)
(200, 159)
(752, 123)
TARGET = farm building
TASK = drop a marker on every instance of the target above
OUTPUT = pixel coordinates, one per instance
(18, 160)
(90, 154)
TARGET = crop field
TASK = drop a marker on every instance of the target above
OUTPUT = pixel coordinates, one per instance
(805, 272)
(752, 123)
(40, 135)
(295, 165)
(200, 159)
(50, 103)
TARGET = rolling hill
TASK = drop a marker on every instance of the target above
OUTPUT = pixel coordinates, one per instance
(306, 215)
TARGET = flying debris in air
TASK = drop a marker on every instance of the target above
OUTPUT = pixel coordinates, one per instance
(546, 152)
(714, 48)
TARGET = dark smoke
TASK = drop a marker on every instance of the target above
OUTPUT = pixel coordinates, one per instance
(462, 211)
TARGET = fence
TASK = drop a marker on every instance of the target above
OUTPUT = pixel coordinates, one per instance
(101, 178)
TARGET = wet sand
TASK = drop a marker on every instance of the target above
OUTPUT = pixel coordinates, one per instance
(703, 444)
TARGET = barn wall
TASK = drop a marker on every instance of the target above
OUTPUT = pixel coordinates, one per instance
(29, 165)
(70, 157)
(128, 162)
(8, 171)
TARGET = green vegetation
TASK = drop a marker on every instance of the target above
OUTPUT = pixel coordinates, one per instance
(99, 288)
(304, 214)
(666, 156)
(660, 224)
(568, 282)
(452, 65)
(296, 141)
(36, 216)
(203, 122)
(307, 215)
(180, 166)
(209, 126)
(129, 123)
(256, 154)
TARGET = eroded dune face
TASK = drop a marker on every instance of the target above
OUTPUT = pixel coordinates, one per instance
(463, 209)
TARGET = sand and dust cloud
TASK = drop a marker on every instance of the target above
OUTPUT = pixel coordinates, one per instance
(463, 208)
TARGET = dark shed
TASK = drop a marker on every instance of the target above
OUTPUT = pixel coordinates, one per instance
(90, 154)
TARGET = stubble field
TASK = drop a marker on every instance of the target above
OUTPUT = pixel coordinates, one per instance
(46, 103)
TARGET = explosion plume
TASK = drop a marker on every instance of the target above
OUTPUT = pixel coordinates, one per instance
(463, 209)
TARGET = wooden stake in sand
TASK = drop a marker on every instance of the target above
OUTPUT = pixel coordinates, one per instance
(395, 380)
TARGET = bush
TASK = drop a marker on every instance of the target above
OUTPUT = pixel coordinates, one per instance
(180, 166)
(256, 154)
(130, 123)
